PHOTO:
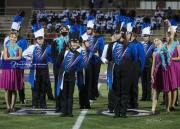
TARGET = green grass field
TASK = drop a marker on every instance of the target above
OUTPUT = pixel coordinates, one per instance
(91, 121)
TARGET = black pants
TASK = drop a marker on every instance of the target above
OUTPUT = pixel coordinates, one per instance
(91, 79)
(58, 98)
(121, 87)
(136, 70)
(111, 97)
(22, 92)
(83, 93)
(48, 87)
(146, 83)
(67, 97)
(83, 97)
(39, 90)
(111, 101)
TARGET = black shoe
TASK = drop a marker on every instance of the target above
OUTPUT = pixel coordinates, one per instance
(154, 113)
(44, 107)
(35, 107)
(7, 111)
(172, 109)
(136, 107)
(63, 115)
(12, 110)
(57, 110)
(123, 116)
(162, 103)
(148, 99)
(87, 107)
(143, 99)
(116, 116)
(69, 115)
(97, 95)
(23, 101)
(129, 106)
(82, 107)
(176, 104)
(51, 98)
(93, 98)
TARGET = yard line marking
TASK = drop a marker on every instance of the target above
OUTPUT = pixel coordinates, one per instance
(81, 117)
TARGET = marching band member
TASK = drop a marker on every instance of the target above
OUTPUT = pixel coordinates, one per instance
(70, 63)
(39, 54)
(57, 46)
(149, 49)
(107, 58)
(138, 63)
(95, 46)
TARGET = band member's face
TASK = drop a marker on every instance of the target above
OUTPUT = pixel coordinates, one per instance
(64, 32)
(40, 40)
(157, 42)
(74, 44)
(86, 44)
(89, 31)
(13, 38)
(168, 38)
(14, 32)
(128, 36)
(116, 37)
(113, 39)
(146, 38)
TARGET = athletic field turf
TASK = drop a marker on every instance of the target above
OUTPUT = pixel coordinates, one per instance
(91, 119)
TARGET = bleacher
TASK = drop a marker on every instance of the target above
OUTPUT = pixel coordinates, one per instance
(139, 12)
(6, 20)
(5, 23)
